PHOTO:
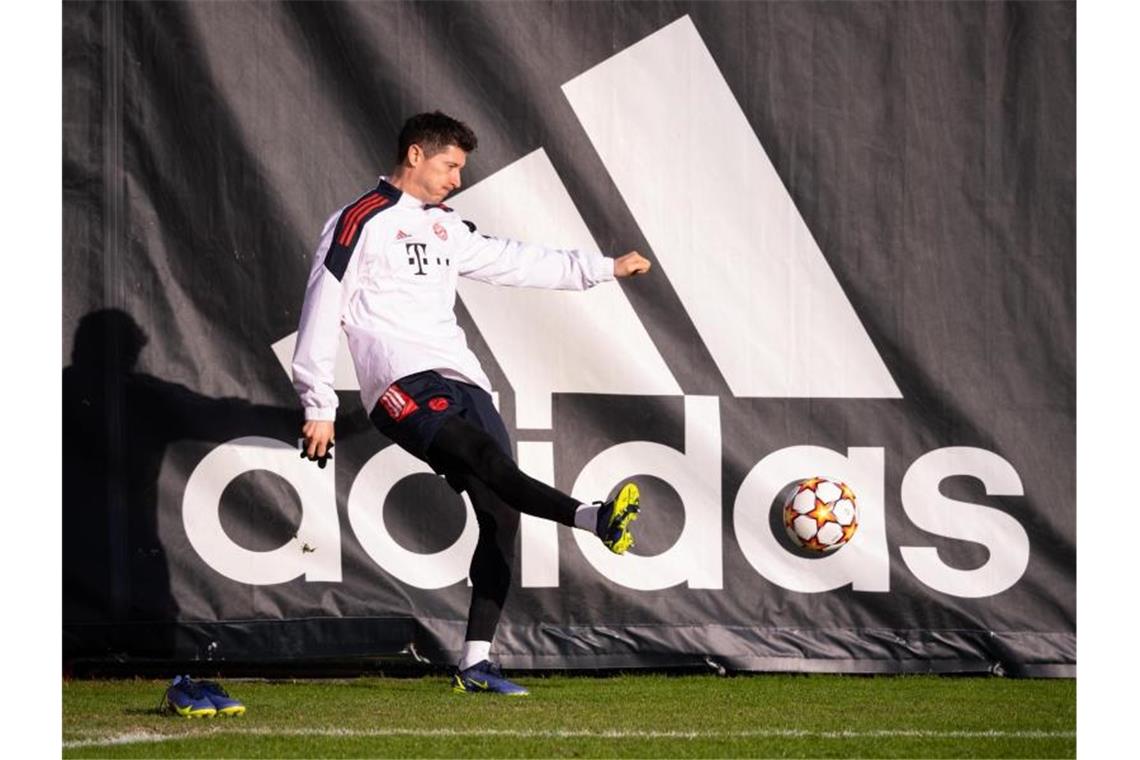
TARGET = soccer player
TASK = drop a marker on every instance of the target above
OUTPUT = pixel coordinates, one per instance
(385, 272)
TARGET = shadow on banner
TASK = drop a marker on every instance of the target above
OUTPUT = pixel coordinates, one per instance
(117, 426)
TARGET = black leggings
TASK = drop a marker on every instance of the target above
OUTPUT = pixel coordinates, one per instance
(472, 460)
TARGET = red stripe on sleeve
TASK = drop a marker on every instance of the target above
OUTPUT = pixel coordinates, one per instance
(351, 215)
(352, 222)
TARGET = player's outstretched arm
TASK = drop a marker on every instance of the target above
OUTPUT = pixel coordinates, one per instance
(504, 261)
(632, 263)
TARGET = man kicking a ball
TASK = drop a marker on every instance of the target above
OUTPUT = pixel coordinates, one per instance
(385, 272)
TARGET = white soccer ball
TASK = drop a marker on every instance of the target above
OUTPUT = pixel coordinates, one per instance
(821, 515)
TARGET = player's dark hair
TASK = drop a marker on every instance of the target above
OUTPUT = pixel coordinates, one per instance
(434, 132)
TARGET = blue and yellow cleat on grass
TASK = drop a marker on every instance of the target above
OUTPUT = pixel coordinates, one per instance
(614, 518)
(184, 697)
(485, 677)
(222, 701)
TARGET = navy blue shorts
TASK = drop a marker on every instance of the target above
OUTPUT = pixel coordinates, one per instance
(413, 409)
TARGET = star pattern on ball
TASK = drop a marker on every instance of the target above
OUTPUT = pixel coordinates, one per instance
(821, 513)
(809, 484)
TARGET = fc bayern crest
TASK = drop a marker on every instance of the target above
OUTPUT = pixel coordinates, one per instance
(440, 232)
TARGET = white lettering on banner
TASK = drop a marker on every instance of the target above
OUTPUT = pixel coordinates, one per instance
(736, 249)
(319, 527)
(539, 538)
(863, 563)
(365, 514)
(695, 558)
(695, 474)
(999, 532)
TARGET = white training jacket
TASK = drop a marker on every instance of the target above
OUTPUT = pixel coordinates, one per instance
(386, 271)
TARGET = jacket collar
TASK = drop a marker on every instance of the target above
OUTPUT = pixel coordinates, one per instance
(398, 196)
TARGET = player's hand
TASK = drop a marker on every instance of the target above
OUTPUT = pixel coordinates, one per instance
(630, 264)
(318, 443)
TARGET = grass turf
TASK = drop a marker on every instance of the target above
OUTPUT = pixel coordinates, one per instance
(576, 716)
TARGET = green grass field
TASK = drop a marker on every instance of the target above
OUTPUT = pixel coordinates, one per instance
(579, 716)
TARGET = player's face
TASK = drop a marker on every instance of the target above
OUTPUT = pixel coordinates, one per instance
(438, 176)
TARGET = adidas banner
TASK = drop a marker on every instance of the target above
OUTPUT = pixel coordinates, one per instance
(861, 218)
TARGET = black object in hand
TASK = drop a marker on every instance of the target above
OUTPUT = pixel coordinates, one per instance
(321, 461)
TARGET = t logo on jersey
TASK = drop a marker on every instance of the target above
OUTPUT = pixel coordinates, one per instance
(417, 255)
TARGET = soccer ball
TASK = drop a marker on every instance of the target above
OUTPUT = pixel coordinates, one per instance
(820, 514)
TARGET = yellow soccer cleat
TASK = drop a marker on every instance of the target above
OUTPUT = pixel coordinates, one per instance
(614, 518)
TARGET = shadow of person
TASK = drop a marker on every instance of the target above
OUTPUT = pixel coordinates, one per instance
(117, 425)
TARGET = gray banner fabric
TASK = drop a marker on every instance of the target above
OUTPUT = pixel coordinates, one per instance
(929, 149)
